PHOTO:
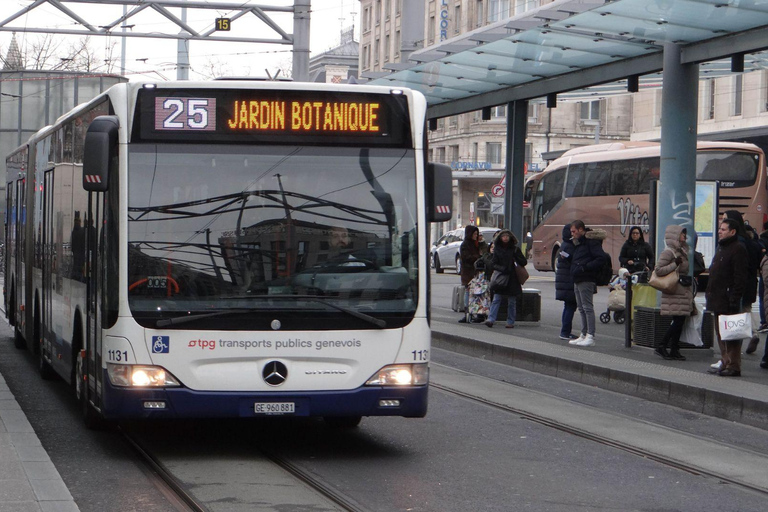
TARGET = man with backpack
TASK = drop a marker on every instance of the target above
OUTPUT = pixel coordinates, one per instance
(587, 263)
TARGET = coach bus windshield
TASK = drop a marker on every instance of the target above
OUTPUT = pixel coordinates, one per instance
(263, 237)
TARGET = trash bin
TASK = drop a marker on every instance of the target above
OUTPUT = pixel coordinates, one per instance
(649, 327)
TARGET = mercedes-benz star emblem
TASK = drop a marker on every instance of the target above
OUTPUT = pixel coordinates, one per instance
(276, 325)
(274, 373)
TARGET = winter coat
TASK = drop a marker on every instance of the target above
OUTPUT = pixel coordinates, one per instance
(727, 277)
(754, 254)
(639, 252)
(588, 256)
(563, 279)
(681, 301)
(469, 252)
(504, 259)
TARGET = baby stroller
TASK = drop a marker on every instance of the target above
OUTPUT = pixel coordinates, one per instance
(617, 299)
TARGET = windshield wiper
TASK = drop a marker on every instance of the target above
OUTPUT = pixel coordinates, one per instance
(165, 322)
(381, 324)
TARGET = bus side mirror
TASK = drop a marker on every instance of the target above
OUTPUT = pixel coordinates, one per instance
(99, 150)
(439, 181)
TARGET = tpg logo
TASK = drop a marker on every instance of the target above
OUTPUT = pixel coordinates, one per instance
(203, 344)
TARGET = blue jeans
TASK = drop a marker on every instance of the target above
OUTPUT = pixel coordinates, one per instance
(569, 308)
(511, 308)
(584, 296)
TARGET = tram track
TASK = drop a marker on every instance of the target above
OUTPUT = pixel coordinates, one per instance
(607, 440)
(185, 501)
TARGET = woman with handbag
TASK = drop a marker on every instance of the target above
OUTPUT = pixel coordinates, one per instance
(470, 251)
(636, 254)
(505, 284)
(677, 302)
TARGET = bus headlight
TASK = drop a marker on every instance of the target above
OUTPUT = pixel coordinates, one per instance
(129, 375)
(400, 375)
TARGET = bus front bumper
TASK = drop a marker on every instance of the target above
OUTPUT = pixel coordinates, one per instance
(136, 403)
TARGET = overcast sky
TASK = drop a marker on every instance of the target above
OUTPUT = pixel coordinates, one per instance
(155, 58)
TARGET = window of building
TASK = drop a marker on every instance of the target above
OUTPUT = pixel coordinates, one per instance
(479, 13)
(533, 112)
(474, 151)
(397, 43)
(738, 92)
(386, 48)
(493, 152)
(366, 56)
(387, 9)
(440, 155)
(431, 33)
(366, 19)
(528, 154)
(399, 6)
(657, 102)
(378, 11)
(499, 111)
(454, 153)
(453, 121)
(498, 10)
(763, 94)
(376, 51)
(590, 110)
(457, 19)
(709, 99)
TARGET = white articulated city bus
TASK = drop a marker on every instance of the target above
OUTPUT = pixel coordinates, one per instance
(228, 249)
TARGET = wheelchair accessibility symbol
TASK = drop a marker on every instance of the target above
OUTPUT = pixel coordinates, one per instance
(161, 344)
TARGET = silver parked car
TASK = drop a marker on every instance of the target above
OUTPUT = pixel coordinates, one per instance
(445, 252)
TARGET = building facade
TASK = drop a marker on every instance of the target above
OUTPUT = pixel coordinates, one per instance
(473, 147)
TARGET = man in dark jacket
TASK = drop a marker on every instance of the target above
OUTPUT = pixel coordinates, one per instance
(564, 285)
(725, 291)
(586, 261)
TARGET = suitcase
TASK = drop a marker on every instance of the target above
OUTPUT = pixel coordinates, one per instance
(457, 299)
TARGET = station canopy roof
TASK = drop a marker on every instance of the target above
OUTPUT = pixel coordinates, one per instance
(581, 50)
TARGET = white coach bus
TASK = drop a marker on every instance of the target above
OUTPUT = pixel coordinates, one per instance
(228, 249)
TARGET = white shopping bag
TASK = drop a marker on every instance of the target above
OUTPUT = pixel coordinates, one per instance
(735, 327)
(692, 331)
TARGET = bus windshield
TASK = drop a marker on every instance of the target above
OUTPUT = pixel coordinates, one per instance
(286, 232)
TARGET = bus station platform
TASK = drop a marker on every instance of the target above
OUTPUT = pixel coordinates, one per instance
(28, 479)
(610, 365)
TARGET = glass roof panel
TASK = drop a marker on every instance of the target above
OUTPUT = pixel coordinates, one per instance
(534, 47)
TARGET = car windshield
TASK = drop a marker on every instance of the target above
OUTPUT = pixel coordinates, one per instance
(218, 230)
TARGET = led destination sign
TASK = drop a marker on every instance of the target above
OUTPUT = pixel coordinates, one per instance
(274, 116)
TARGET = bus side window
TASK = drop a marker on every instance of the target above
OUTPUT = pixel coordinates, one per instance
(575, 183)
(598, 180)
(625, 178)
(648, 170)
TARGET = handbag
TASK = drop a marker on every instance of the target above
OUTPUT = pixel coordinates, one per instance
(685, 281)
(521, 273)
(735, 327)
(665, 284)
(499, 281)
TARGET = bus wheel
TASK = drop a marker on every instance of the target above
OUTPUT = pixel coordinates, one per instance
(342, 422)
(18, 339)
(91, 417)
(438, 268)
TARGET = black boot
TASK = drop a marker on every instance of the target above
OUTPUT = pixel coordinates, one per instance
(676, 355)
(662, 353)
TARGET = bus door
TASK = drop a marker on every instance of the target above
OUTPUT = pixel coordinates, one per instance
(94, 275)
(48, 256)
(20, 204)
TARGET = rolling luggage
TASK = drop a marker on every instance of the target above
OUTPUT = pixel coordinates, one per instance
(457, 299)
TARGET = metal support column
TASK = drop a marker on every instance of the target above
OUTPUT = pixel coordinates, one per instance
(677, 182)
(301, 16)
(517, 126)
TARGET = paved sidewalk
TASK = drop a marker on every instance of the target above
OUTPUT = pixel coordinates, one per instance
(28, 479)
(609, 365)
